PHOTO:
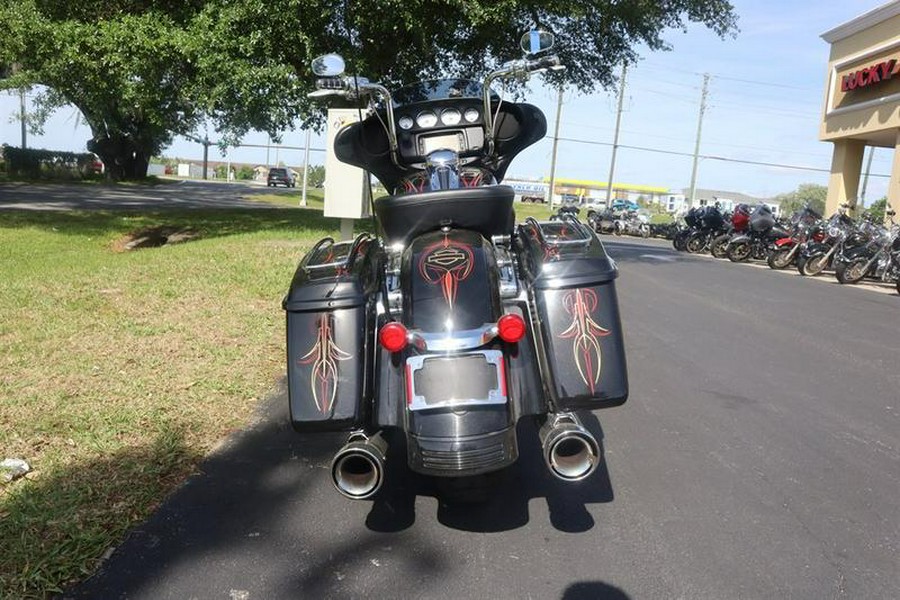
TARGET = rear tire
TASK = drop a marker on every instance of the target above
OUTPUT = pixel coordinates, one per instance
(852, 271)
(679, 240)
(739, 252)
(778, 259)
(810, 266)
(719, 245)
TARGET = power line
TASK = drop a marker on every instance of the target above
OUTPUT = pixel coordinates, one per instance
(707, 156)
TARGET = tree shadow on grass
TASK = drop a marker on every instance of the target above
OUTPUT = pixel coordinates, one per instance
(209, 223)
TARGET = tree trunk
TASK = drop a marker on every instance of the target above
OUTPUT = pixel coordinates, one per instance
(122, 157)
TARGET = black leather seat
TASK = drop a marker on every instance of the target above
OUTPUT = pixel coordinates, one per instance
(487, 210)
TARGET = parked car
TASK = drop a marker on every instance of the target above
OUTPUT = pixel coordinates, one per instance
(280, 176)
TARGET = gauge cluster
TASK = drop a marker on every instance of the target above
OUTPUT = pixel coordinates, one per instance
(436, 117)
(451, 124)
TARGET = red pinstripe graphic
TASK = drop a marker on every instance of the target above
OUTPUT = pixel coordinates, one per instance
(584, 332)
(324, 357)
(446, 263)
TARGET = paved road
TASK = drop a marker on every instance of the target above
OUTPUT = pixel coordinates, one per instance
(758, 457)
(177, 194)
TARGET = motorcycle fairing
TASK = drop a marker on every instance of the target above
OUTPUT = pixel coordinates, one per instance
(365, 144)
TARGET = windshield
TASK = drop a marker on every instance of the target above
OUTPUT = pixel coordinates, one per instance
(437, 89)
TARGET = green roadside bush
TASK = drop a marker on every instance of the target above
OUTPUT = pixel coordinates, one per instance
(36, 163)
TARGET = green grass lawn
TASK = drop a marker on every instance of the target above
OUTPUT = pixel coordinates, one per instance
(120, 371)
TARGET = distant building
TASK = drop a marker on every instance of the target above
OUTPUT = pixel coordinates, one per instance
(862, 98)
(583, 191)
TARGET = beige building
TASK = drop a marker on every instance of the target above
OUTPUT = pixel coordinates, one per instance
(862, 99)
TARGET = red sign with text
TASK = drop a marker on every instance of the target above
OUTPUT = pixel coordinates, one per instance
(875, 74)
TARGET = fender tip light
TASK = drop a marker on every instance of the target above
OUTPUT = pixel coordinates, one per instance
(511, 328)
(393, 336)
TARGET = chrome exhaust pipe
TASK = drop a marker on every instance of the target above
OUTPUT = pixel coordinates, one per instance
(357, 470)
(570, 451)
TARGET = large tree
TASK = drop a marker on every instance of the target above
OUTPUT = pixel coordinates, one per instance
(120, 63)
(806, 193)
(145, 70)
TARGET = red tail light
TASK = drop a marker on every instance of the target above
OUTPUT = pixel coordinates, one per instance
(392, 337)
(511, 328)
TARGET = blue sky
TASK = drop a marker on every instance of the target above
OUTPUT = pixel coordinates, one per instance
(765, 102)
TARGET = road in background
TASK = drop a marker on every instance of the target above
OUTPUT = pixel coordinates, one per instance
(170, 194)
(758, 457)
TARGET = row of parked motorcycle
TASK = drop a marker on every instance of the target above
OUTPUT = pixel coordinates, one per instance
(620, 222)
(853, 249)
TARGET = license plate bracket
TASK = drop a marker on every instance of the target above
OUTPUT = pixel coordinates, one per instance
(456, 380)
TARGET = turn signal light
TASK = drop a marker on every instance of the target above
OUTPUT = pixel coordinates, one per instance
(511, 328)
(392, 336)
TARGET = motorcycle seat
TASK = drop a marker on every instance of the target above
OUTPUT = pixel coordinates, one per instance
(487, 210)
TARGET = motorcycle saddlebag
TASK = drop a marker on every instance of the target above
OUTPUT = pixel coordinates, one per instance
(328, 332)
(577, 315)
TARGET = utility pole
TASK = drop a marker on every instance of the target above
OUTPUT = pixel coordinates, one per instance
(305, 169)
(559, 101)
(862, 195)
(697, 142)
(205, 156)
(612, 162)
(22, 116)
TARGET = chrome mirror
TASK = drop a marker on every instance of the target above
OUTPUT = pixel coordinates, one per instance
(535, 41)
(328, 65)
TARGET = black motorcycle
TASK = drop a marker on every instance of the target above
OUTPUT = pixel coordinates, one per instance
(709, 225)
(452, 323)
(880, 258)
(755, 243)
(691, 224)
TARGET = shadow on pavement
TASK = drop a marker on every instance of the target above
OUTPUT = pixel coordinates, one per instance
(506, 494)
(266, 498)
(593, 590)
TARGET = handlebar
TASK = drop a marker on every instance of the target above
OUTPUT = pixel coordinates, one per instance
(516, 68)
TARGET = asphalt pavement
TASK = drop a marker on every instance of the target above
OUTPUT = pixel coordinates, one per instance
(171, 194)
(757, 457)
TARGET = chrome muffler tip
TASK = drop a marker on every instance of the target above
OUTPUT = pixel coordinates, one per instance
(357, 470)
(571, 452)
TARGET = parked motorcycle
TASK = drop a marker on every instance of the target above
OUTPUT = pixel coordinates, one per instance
(709, 225)
(880, 258)
(764, 230)
(565, 210)
(452, 323)
(740, 223)
(691, 222)
(632, 223)
(806, 224)
(816, 255)
(603, 221)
